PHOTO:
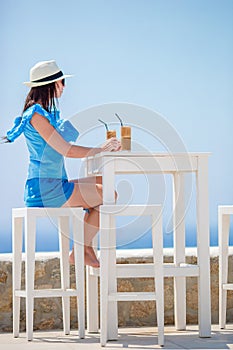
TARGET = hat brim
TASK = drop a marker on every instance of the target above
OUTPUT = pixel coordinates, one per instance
(35, 84)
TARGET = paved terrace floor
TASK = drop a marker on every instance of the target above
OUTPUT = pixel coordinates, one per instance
(129, 338)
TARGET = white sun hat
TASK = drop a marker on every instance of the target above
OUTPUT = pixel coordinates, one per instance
(44, 73)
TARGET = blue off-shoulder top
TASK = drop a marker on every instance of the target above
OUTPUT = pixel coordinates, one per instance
(45, 162)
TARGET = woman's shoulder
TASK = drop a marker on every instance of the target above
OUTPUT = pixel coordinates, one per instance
(36, 108)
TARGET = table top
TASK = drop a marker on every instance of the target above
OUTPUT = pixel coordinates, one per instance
(150, 154)
(145, 162)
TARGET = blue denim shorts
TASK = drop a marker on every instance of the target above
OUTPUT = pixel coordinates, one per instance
(46, 192)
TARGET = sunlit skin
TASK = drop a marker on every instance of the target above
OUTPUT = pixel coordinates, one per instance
(87, 192)
(59, 88)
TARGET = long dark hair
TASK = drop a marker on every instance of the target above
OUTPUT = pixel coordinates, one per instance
(45, 95)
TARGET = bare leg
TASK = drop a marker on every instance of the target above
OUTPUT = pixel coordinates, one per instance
(87, 195)
(88, 180)
(91, 227)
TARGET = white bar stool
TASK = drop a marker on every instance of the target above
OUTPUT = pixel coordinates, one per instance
(24, 219)
(108, 269)
(224, 212)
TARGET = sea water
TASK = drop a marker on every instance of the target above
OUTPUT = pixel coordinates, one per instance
(48, 241)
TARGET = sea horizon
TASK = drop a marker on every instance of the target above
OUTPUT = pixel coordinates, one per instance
(48, 241)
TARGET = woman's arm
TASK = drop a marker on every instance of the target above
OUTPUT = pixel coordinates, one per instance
(56, 141)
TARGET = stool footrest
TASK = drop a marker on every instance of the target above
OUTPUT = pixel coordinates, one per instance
(48, 293)
(131, 296)
(183, 270)
(227, 286)
(147, 270)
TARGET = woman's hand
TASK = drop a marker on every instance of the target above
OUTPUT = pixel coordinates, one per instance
(111, 145)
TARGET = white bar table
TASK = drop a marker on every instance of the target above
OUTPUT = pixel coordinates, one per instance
(109, 164)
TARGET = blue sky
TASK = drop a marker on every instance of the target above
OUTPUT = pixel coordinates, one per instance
(171, 56)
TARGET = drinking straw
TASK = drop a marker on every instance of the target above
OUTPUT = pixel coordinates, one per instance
(106, 125)
(119, 119)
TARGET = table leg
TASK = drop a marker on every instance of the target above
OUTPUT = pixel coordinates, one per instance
(203, 254)
(108, 179)
(108, 321)
(91, 280)
(104, 282)
(179, 249)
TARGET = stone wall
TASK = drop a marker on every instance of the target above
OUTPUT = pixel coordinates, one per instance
(48, 312)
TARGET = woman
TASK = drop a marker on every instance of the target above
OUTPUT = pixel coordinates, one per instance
(48, 140)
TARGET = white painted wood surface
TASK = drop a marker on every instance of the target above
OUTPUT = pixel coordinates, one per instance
(108, 164)
(26, 218)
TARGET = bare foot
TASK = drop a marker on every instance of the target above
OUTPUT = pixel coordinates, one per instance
(71, 257)
(90, 258)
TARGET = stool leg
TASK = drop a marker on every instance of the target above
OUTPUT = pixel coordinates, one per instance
(17, 233)
(223, 229)
(78, 237)
(179, 250)
(92, 297)
(104, 273)
(112, 306)
(64, 236)
(92, 302)
(30, 233)
(157, 239)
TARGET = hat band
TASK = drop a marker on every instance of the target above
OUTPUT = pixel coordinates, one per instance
(50, 77)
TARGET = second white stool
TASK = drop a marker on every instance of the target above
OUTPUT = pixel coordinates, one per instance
(24, 219)
(109, 271)
(224, 212)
